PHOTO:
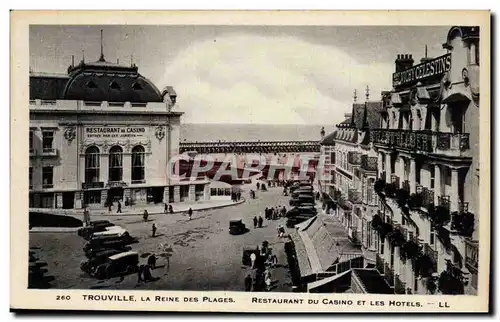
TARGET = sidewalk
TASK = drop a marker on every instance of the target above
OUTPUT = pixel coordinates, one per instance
(137, 210)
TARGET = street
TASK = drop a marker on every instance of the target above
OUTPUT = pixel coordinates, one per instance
(203, 255)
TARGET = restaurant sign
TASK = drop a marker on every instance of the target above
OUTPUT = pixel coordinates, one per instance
(434, 67)
(119, 132)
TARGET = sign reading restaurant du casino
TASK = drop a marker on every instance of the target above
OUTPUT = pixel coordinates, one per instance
(434, 67)
(115, 132)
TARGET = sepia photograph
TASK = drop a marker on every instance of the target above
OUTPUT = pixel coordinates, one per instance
(257, 159)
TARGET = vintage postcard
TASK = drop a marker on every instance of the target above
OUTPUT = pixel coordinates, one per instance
(251, 161)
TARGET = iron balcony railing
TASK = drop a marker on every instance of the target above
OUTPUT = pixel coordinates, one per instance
(424, 141)
(433, 255)
(354, 196)
(471, 255)
(369, 163)
(428, 198)
(406, 185)
(354, 158)
(444, 201)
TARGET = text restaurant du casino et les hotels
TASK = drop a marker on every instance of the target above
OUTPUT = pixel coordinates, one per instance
(103, 132)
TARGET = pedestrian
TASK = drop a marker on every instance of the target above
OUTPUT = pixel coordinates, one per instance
(145, 215)
(248, 283)
(267, 279)
(165, 209)
(119, 207)
(258, 186)
(253, 258)
(261, 221)
(254, 222)
(170, 209)
(152, 261)
(281, 231)
(147, 273)
(190, 213)
(283, 211)
(140, 271)
(154, 230)
(110, 204)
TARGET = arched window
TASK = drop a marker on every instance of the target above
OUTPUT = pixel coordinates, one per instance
(138, 164)
(115, 163)
(92, 164)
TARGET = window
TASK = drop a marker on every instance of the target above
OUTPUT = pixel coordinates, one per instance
(31, 178)
(213, 191)
(138, 164)
(92, 197)
(31, 140)
(91, 84)
(92, 164)
(48, 177)
(431, 170)
(48, 140)
(136, 86)
(431, 239)
(115, 164)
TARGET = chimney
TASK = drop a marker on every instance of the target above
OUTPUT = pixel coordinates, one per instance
(403, 61)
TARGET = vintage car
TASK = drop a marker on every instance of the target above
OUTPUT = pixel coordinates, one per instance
(294, 220)
(95, 251)
(115, 265)
(109, 232)
(111, 242)
(299, 192)
(97, 259)
(301, 199)
(95, 226)
(237, 227)
(299, 210)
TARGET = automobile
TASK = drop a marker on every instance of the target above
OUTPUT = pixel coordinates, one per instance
(237, 227)
(301, 199)
(118, 264)
(95, 251)
(97, 259)
(299, 192)
(304, 183)
(294, 220)
(112, 231)
(296, 211)
(111, 242)
(95, 226)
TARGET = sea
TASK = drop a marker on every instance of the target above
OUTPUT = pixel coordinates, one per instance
(202, 132)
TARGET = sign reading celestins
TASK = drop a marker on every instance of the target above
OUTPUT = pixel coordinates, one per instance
(437, 66)
(98, 132)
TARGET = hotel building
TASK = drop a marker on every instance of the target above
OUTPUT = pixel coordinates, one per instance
(103, 132)
(427, 152)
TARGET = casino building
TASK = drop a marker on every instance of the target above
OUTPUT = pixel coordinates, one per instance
(102, 132)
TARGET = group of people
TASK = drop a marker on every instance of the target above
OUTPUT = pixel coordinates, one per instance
(274, 213)
(109, 203)
(262, 261)
(236, 196)
(257, 222)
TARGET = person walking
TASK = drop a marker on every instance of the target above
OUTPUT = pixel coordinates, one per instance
(253, 258)
(152, 261)
(153, 230)
(261, 221)
(145, 215)
(248, 283)
(119, 207)
(190, 213)
(170, 209)
(165, 209)
(254, 222)
(110, 204)
(140, 271)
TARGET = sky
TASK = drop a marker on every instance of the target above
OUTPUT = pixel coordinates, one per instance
(248, 74)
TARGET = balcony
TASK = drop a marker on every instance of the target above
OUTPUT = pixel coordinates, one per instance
(354, 158)
(450, 144)
(48, 185)
(444, 201)
(432, 254)
(369, 163)
(427, 198)
(462, 221)
(137, 181)
(471, 256)
(354, 196)
(49, 152)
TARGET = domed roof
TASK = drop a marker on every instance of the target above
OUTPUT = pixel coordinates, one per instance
(106, 81)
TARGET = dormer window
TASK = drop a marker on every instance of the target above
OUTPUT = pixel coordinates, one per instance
(114, 85)
(91, 84)
(136, 86)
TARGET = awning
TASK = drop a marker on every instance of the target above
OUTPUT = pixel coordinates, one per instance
(396, 99)
(331, 282)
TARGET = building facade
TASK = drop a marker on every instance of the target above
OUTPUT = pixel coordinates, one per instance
(427, 150)
(103, 132)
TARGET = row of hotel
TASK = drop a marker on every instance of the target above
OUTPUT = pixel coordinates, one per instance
(403, 172)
